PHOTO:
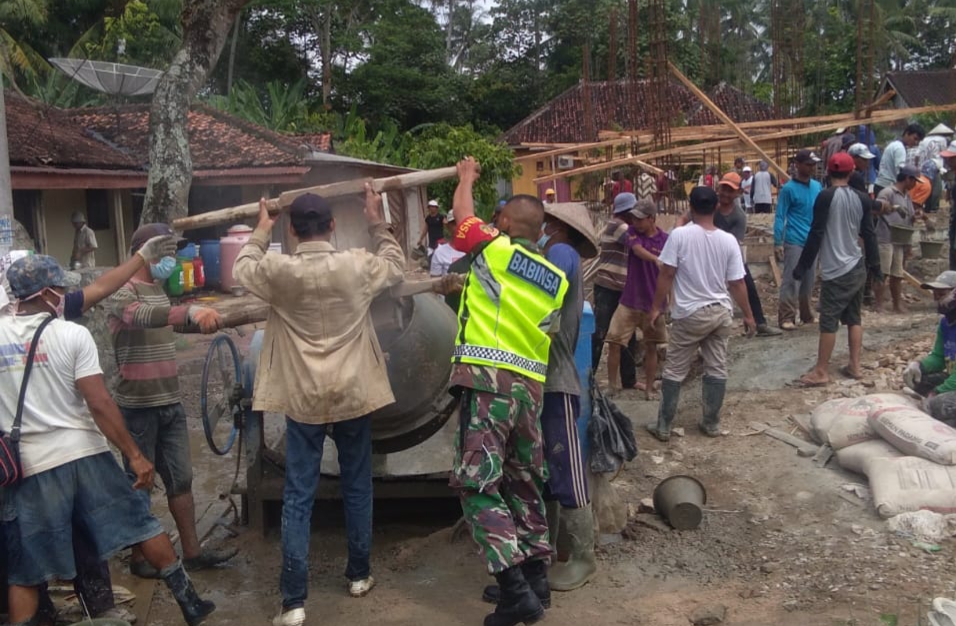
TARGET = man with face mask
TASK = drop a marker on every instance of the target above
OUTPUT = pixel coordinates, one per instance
(141, 320)
(70, 477)
(510, 308)
(934, 377)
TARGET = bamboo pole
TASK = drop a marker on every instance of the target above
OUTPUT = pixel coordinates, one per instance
(884, 117)
(330, 190)
(716, 110)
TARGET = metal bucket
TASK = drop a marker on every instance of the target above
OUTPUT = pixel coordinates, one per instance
(901, 235)
(930, 248)
(680, 500)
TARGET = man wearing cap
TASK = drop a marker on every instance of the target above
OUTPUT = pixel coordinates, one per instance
(510, 309)
(731, 218)
(841, 216)
(70, 477)
(434, 226)
(566, 238)
(141, 319)
(934, 376)
(897, 211)
(321, 365)
(609, 281)
(445, 254)
(862, 156)
(703, 267)
(550, 196)
(790, 228)
(645, 242)
(894, 156)
(84, 243)
(746, 183)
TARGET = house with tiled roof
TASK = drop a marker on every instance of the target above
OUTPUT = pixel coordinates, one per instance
(613, 105)
(96, 161)
(920, 88)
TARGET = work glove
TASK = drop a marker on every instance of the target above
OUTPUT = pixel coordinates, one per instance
(158, 247)
(206, 319)
(912, 374)
(778, 252)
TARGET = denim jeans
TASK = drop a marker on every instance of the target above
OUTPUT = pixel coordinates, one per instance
(605, 303)
(304, 443)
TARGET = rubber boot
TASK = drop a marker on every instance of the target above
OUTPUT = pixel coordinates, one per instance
(517, 604)
(536, 573)
(195, 609)
(581, 567)
(712, 396)
(552, 512)
(670, 396)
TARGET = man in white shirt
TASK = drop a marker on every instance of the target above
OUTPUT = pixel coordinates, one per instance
(746, 182)
(444, 255)
(704, 267)
(70, 477)
(894, 156)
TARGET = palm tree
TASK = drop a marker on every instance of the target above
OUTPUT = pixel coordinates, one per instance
(17, 59)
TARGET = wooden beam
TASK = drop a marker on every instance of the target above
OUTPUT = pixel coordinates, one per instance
(331, 190)
(884, 117)
(716, 110)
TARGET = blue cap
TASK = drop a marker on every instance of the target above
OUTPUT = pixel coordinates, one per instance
(32, 274)
(624, 202)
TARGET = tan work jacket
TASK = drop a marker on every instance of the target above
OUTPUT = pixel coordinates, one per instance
(321, 361)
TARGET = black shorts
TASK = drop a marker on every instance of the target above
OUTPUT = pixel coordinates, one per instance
(841, 300)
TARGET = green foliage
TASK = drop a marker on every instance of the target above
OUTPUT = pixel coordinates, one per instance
(137, 36)
(387, 145)
(442, 145)
(281, 108)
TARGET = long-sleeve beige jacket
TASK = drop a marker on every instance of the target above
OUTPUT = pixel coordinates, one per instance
(321, 361)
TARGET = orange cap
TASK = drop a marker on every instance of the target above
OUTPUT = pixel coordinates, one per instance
(731, 179)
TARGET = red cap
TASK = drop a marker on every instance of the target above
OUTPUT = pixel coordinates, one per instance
(841, 162)
(731, 179)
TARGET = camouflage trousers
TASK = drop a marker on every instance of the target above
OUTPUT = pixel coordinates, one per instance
(499, 474)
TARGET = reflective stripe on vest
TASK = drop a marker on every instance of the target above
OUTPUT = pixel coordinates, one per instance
(511, 301)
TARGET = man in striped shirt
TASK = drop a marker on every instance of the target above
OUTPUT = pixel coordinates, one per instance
(608, 285)
(141, 320)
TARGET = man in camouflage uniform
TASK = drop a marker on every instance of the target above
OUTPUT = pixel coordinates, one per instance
(510, 304)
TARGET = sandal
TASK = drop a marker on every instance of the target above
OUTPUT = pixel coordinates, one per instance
(845, 371)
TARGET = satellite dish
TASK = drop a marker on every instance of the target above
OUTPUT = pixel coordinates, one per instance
(111, 78)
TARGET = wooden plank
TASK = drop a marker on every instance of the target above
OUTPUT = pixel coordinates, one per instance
(912, 281)
(716, 110)
(776, 270)
(143, 589)
(804, 447)
(331, 190)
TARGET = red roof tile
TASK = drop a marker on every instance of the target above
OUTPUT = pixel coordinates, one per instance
(117, 137)
(562, 119)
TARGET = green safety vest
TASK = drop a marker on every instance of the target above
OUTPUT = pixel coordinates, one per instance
(511, 301)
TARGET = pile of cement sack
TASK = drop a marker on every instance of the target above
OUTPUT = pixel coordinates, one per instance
(908, 457)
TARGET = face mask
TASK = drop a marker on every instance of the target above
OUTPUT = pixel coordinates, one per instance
(545, 237)
(163, 269)
(58, 308)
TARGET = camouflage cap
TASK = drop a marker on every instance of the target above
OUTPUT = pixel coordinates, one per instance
(33, 274)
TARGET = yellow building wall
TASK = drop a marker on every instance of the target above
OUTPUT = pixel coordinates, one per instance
(524, 183)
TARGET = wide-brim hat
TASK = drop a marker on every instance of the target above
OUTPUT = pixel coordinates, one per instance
(576, 216)
(941, 129)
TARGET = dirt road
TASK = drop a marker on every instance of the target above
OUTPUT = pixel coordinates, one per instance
(782, 544)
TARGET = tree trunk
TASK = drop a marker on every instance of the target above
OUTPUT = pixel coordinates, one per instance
(327, 58)
(206, 25)
(232, 53)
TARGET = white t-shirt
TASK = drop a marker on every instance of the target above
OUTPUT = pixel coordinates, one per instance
(443, 256)
(57, 427)
(706, 260)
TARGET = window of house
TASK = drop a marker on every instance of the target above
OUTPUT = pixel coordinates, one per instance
(98, 209)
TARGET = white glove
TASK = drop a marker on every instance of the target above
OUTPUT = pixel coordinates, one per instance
(912, 375)
(156, 248)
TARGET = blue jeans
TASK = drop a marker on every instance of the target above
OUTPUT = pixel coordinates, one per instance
(304, 443)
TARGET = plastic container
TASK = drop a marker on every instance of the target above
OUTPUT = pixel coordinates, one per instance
(930, 248)
(680, 500)
(901, 235)
(209, 252)
(189, 277)
(188, 251)
(174, 284)
(582, 361)
(199, 273)
(230, 245)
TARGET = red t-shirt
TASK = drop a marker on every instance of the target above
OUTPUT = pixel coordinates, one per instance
(471, 232)
(621, 186)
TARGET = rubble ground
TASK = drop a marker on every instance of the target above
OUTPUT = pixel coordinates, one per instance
(782, 541)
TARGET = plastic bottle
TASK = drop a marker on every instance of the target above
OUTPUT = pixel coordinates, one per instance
(174, 284)
(199, 272)
(188, 275)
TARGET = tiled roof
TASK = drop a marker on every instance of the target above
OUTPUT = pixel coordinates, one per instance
(562, 119)
(924, 88)
(117, 137)
(39, 136)
(317, 142)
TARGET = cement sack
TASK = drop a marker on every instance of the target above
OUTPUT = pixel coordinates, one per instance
(844, 422)
(915, 433)
(911, 484)
(854, 458)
